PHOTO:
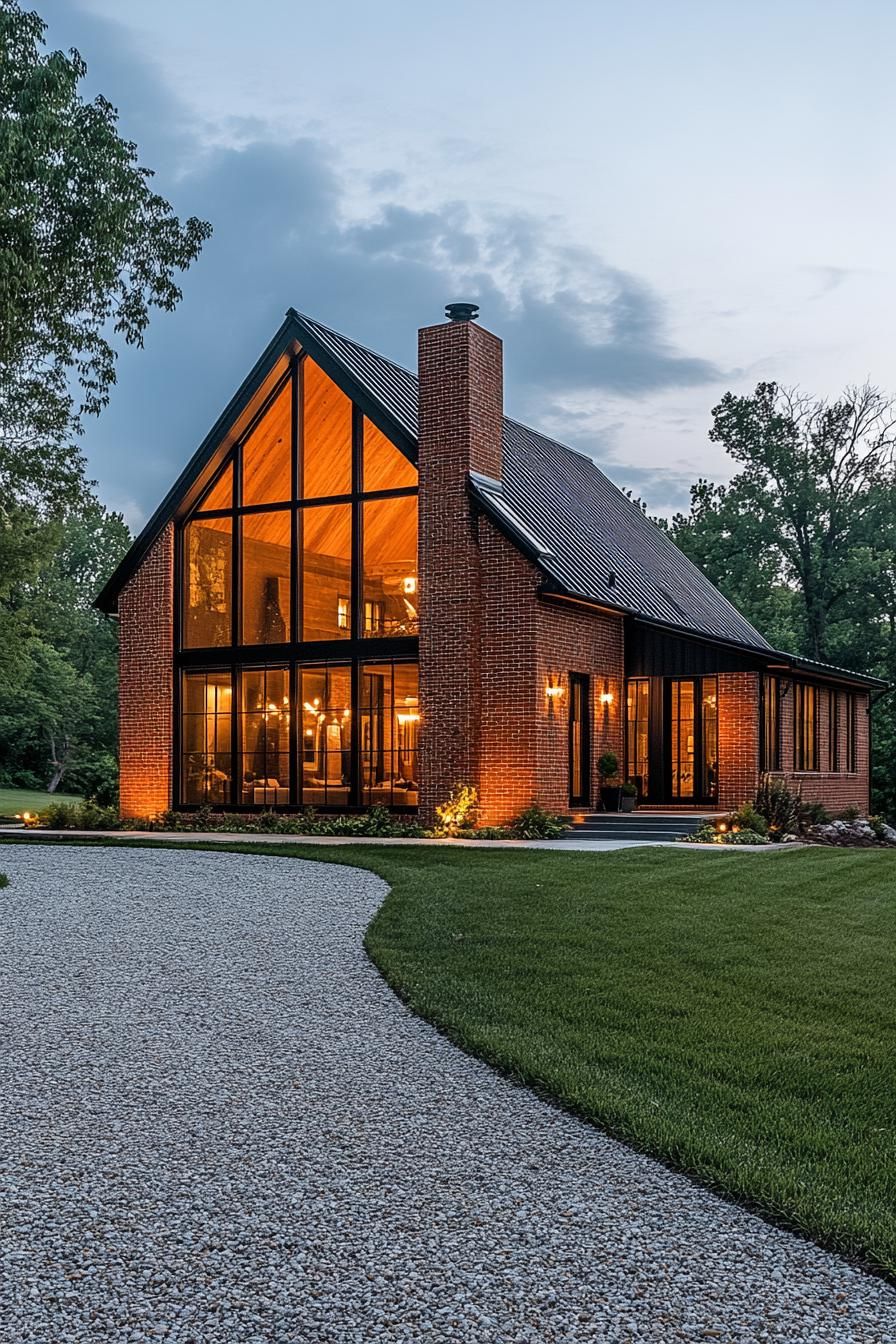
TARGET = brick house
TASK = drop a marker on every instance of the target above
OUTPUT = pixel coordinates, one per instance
(365, 587)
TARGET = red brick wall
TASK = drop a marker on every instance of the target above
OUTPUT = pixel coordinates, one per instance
(739, 747)
(510, 704)
(528, 643)
(834, 789)
(738, 737)
(460, 429)
(146, 689)
(488, 644)
(572, 639)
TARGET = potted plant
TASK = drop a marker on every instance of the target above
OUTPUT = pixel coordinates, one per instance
(629, 795)
(610, 790)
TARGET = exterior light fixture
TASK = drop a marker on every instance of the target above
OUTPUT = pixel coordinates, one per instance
(554, 691)
(606, 697)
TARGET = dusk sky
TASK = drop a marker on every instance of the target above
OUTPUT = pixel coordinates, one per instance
(652, 204)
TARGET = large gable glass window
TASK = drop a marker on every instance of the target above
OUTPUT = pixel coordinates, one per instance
(300, 561)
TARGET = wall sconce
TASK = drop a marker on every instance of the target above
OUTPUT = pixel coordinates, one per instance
(606, 697)
(554, 692)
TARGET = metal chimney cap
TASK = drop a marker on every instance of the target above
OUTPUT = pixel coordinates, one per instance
(461, 312)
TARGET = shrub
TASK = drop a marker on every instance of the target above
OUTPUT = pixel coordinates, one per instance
(492, 833)
(779, 805)
(97, 778)
(850, 814)
(813, 814)
(459, 812)
(534, 823)
(89, 817)
(745, 837)
(704, 835)
(85, 816)
(630, 789)
(747, 818)
(608, 765)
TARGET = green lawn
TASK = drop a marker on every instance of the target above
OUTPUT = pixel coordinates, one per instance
(731, 1014)
(13, 801)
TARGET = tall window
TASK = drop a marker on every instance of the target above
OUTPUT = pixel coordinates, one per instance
(637, 708)
(207, 738)
(264, 736)
(770, 744)
(833, 731)
(805, 726)
(389, 719)
(300, 560)
(851, 763)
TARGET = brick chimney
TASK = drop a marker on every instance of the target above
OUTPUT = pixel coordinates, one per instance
(461, 406)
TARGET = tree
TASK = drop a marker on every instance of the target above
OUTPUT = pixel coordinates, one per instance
(58, 692)
(803, 538)
(87, 250)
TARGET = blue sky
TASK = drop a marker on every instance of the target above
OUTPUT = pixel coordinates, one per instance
(652, 203)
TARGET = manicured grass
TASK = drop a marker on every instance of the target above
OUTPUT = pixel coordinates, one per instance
(16, 801)
(731, 1014)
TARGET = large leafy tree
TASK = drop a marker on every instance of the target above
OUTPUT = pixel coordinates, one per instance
(87, 251)
(803, 538)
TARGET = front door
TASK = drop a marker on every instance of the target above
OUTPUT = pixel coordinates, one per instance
(579, 741)
(691, 739)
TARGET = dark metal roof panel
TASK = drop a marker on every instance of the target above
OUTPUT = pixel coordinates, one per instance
(604, 548)
(392, 386)
(590, 526)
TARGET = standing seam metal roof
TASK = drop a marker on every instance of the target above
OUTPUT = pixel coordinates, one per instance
(591, 528)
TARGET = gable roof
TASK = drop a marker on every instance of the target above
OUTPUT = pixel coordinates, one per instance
(589, 539)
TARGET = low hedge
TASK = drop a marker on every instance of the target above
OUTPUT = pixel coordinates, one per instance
(378, 822)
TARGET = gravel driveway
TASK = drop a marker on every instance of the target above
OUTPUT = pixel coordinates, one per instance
(218, 1124)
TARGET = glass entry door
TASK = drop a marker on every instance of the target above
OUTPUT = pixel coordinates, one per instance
(692, 739)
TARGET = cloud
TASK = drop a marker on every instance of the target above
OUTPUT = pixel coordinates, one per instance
(288, 232)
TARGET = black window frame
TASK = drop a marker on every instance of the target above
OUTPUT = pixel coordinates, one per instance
(805, 743)
(851, 734)
(296, 653)
(770, 725)
(834, 731)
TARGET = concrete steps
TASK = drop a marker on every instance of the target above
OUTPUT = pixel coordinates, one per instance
(636, 826)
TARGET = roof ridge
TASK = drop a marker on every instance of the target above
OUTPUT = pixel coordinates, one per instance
(368, 350)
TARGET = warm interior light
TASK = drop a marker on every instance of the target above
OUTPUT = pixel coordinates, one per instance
(410, 583)
(411, 717)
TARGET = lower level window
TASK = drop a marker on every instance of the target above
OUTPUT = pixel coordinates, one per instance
(637, 706)
(389, 720)
(805, 726)
(207, 738)
(324, 735)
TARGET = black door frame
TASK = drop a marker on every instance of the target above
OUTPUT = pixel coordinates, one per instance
(580, 690)
(699, 798)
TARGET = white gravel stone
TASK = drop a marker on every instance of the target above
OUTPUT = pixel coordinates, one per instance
(217, 1124)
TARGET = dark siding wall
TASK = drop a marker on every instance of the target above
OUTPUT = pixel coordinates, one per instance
(651, 652)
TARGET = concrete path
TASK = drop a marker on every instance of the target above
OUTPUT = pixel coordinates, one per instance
(219, 1126)
(571, 843)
